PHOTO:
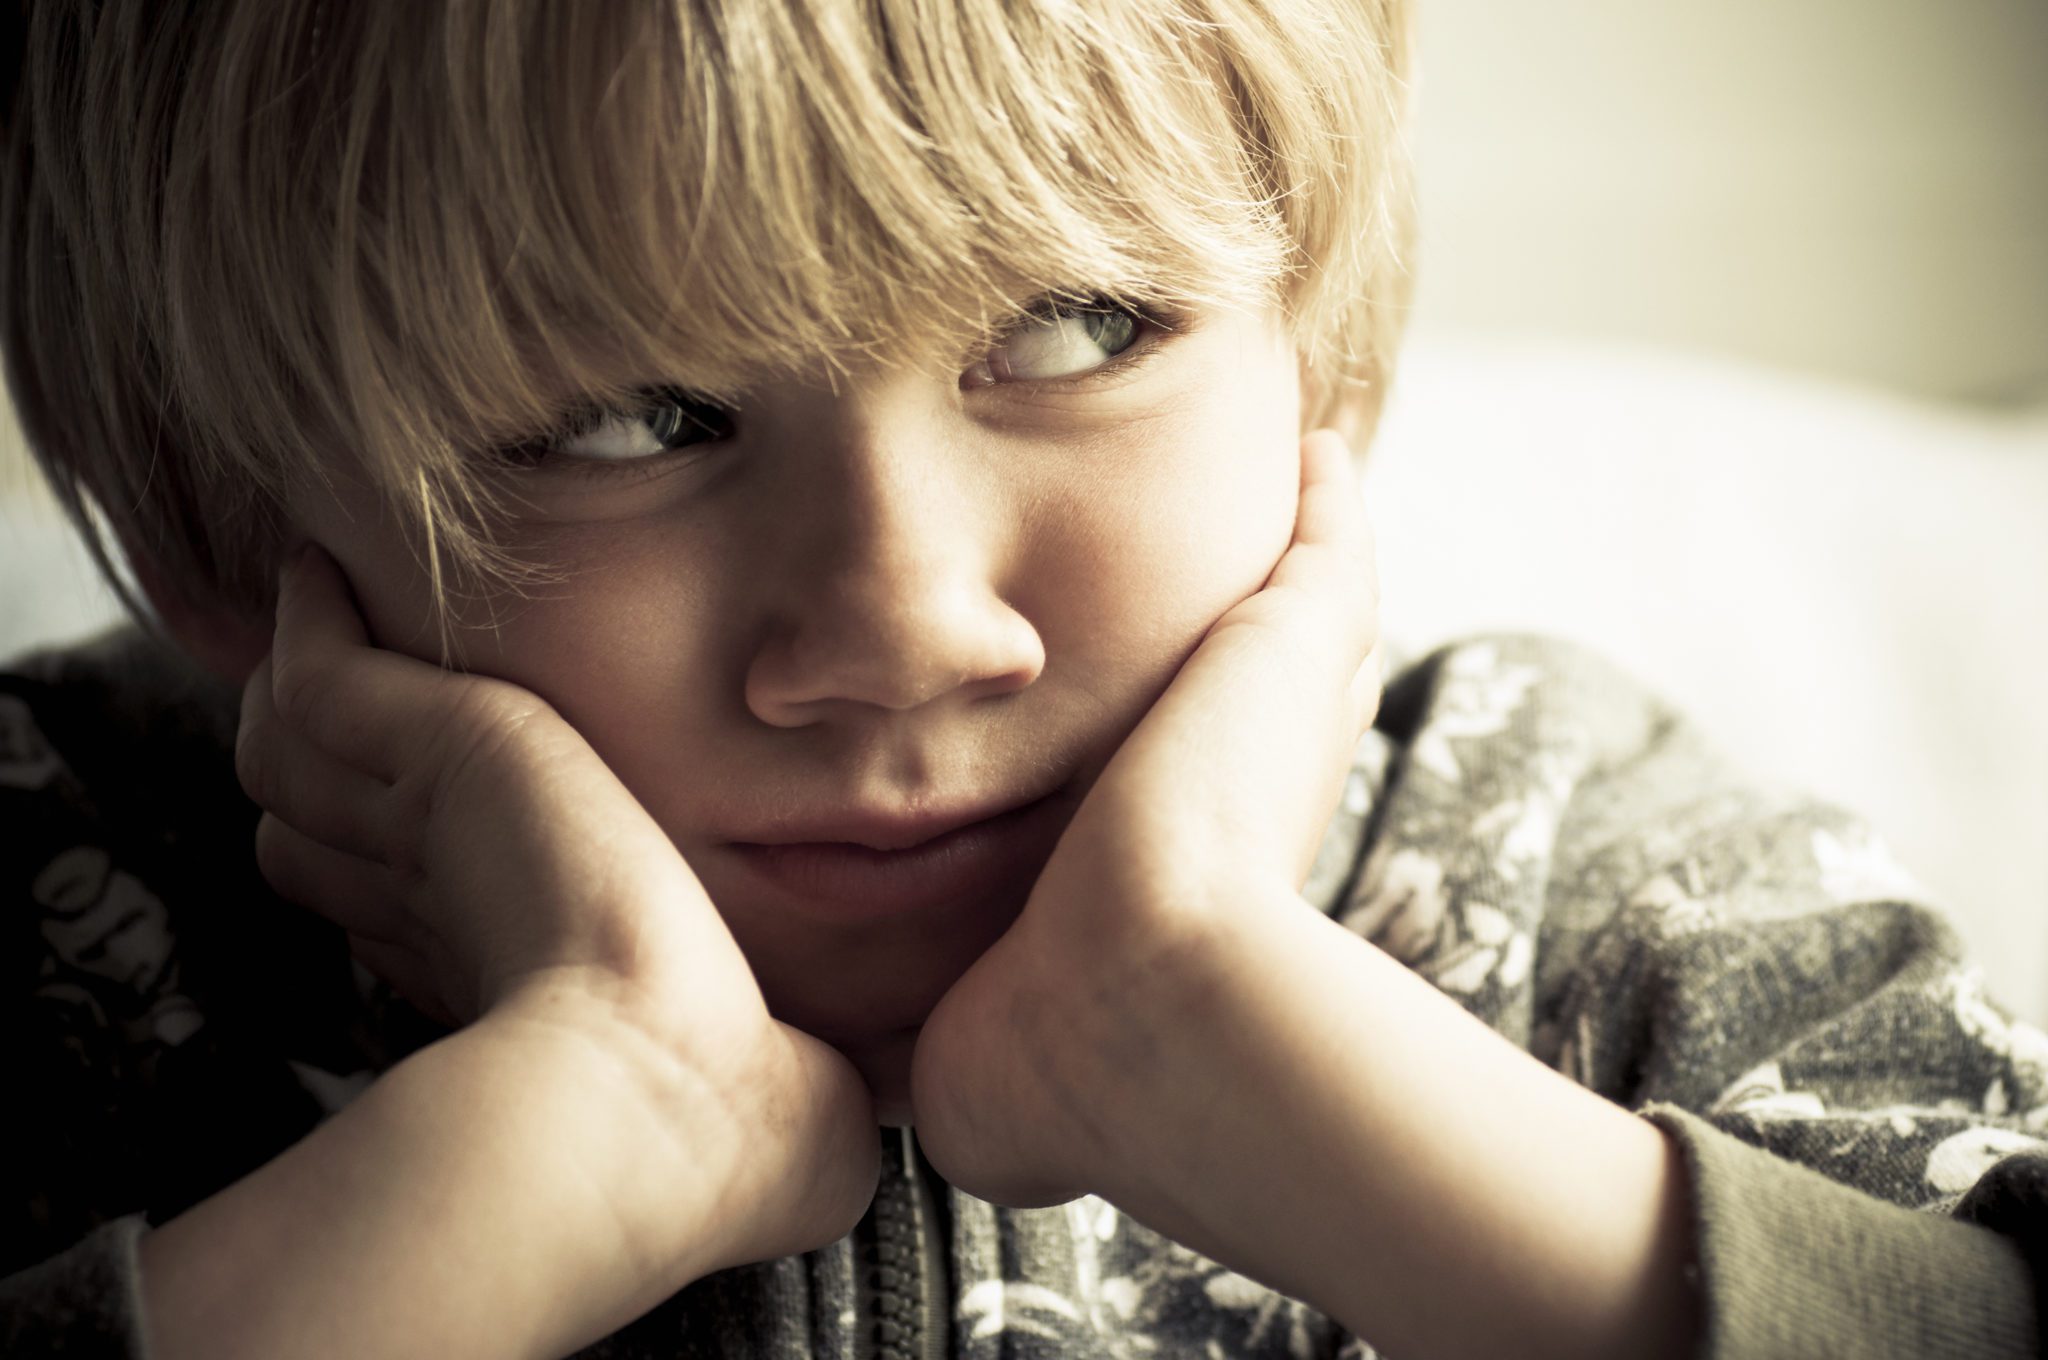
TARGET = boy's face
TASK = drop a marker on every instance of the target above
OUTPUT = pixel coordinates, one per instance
(916, 597)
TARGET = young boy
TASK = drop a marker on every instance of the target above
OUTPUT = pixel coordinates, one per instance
(789, 567)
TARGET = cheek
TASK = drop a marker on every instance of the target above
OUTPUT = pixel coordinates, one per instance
(622, 649)
(617, 646)
(1234, 507)
(1199, 509)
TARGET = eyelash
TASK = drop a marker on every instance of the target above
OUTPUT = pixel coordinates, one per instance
(1158, 323)
(1163, 323)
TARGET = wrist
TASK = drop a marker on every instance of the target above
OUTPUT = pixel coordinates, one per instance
(686, 1045)
(1300, 1107)
(1157, 1043)
(658, 1142)
(490, 1195)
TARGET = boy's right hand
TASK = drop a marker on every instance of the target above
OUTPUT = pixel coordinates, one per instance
(485, 861)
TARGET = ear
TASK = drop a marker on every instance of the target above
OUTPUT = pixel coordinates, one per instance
(225, 641)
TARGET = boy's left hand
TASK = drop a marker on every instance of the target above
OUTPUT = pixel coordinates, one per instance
(1215, 804)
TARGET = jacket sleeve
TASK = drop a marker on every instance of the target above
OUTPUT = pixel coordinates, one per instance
(1860, 1122)
(1746, 967)
(87, 967)
(84, 1302)
(1791, 1263)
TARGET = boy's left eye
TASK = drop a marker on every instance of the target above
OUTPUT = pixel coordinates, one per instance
(1059, 341)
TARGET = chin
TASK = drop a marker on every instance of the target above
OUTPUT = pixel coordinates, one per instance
(884, 1064)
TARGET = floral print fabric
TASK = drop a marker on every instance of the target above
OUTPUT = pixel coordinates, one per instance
(1525, 827)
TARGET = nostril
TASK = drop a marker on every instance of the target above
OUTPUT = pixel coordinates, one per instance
(897, 663)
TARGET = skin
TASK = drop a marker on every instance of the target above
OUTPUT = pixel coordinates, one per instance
(931, 592)
(912, 594)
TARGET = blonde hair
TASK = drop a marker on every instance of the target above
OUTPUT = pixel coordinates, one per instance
(243, 240)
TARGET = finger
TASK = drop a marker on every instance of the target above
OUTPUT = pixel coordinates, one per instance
(1331, 560)
(1366, 688)
(355, 894)
(1331, 532)
(299, 783)
(316, 609)
(358, 702)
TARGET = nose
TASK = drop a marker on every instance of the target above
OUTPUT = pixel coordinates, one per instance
(889, 595)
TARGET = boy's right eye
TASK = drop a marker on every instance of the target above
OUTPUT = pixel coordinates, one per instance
(665, 420)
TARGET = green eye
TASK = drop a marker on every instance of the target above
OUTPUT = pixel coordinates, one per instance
(1065, 342)
(677, 418)
(665, 420)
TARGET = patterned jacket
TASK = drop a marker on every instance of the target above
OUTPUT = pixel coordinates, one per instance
(1524, 827)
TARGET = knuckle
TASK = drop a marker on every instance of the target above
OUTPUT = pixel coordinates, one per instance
(1365, 699)
(274, 853)
(256, 763)
(489, 725)
(480, 738)
(256, 689)
(1361, 557)
(406, 831)
(490, 704)
(410, 879)
(1365, 629)
(301, 693)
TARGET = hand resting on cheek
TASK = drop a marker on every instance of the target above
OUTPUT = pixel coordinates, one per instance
(482, 858)
(476, 849)
(1214, 806)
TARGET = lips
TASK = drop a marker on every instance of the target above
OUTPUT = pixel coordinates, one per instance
(873, 866)
(881, 830)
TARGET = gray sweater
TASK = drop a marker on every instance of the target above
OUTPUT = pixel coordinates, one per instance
(1525, 827)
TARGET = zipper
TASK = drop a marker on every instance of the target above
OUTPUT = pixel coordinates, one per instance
(936, 1322)
(903, 1263)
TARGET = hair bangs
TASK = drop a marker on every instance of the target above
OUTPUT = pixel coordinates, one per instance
(387, 239)
(714, 195)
